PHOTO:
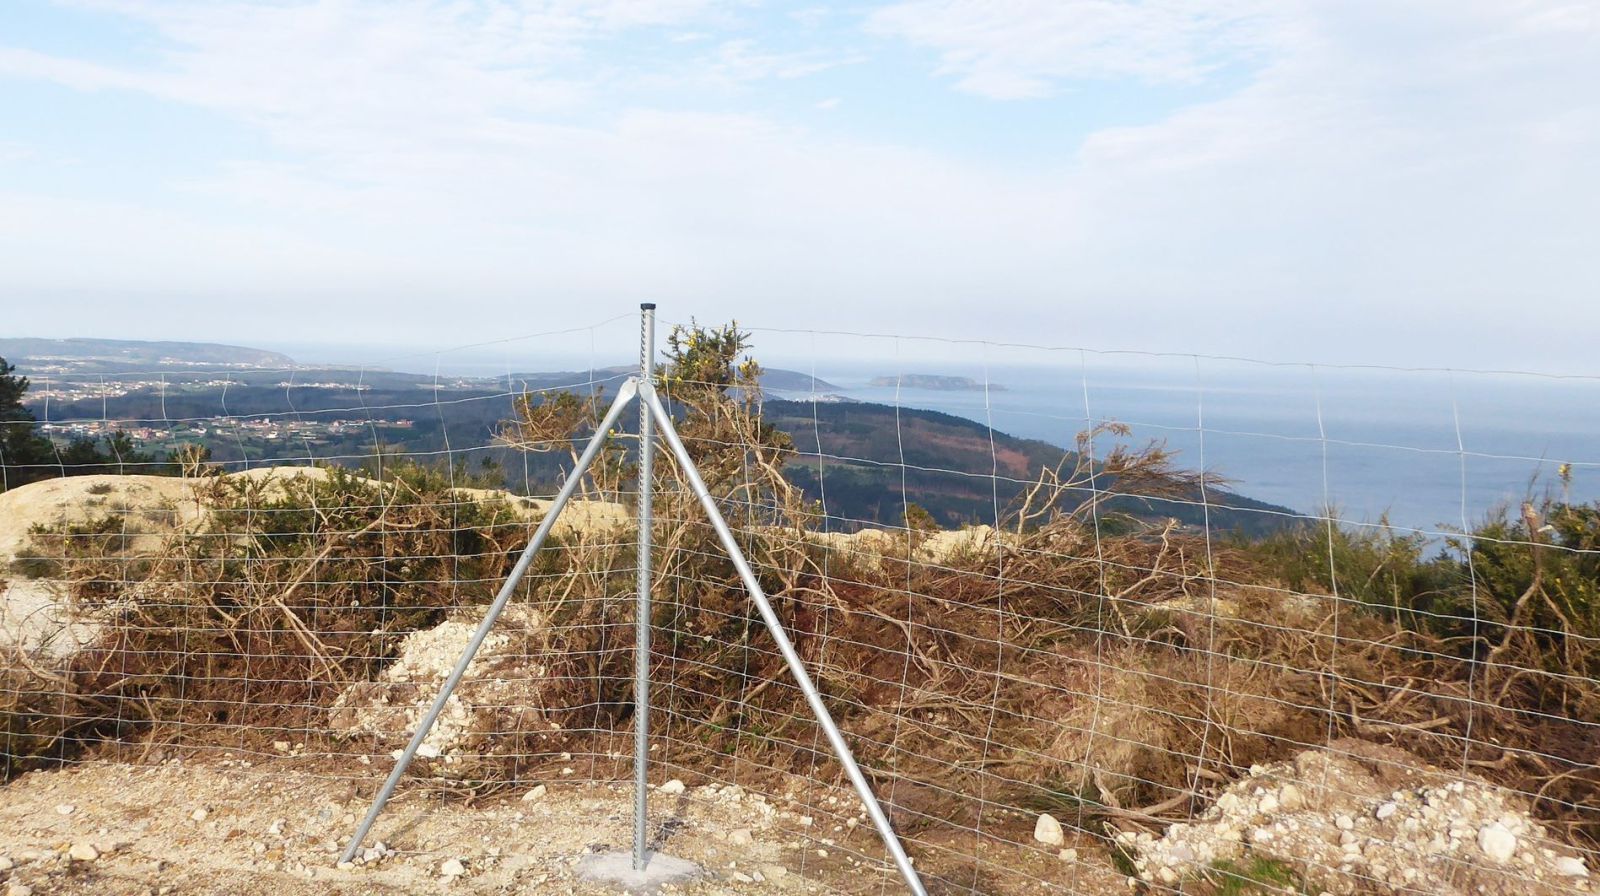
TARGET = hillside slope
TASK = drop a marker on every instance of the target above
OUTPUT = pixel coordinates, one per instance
(866, 460)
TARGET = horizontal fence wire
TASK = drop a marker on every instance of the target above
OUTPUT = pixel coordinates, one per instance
(1091, 621)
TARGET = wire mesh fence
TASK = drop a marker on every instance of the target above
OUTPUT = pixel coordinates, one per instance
(1090, 621)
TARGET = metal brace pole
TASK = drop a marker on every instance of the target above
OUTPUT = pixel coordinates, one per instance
(641, 649)
(624, 395)
(869, 800)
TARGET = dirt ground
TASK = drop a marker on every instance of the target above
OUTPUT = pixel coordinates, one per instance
(276, 828)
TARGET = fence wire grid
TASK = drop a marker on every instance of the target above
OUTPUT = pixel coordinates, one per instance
(1092, 622)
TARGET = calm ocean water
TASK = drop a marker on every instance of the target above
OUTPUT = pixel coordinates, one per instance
(1428, 450)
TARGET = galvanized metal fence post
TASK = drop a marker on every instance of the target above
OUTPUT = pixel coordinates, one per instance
(641, 658)
(651, 415)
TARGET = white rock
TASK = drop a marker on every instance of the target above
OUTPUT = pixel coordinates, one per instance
(1497, 842)
(1268, 805)
(6, 864)
(743, 878)
(1291, 797)
(428, 751)
(83, 852)
(1048, 831)
(1386, 810)
(537, 793)
(1344, 822)
(452, 868)
(1068, 855)
(19, 890)
(740, 837)
(65, 809)
(672, 787)
(282, 746)
(199, 814)
(1571, 866)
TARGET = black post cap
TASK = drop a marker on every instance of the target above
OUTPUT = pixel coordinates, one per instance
(647, 306)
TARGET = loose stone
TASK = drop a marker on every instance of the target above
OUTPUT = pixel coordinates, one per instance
(1047, 830)
(1497, 842)
(1571, 866)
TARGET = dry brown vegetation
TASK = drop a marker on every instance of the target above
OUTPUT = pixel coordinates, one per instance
(1114, 679)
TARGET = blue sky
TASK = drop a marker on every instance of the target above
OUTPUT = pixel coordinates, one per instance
(1334, 181)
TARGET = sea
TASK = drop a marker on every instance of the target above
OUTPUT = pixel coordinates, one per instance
(1431, 451)
(1428, 451)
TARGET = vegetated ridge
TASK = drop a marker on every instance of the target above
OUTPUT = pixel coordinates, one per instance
(849, 454)
(27, 352)
(866, 461)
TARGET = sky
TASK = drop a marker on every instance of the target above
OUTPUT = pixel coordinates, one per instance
(1353, 181)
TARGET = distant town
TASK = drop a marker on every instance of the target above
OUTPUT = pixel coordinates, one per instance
(261, 429)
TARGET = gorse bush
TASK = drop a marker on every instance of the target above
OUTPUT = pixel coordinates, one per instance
(291, 587)
(1532, 579)
(1383, 570)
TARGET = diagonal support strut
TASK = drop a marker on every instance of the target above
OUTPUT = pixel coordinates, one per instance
(841, 750)
(625, 396)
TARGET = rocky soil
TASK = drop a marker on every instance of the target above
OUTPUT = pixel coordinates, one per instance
(264, 827)
(1358, 817)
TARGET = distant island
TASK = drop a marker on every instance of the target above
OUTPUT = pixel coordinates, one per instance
(936, 383)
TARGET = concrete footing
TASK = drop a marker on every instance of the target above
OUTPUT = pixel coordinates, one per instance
(616, 868)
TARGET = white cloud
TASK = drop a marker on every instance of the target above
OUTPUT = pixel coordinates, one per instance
(13, 151)
(1392, 181)
(743, 60)
(1020, 49)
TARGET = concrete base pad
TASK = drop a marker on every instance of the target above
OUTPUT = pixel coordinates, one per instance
(617, 868)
